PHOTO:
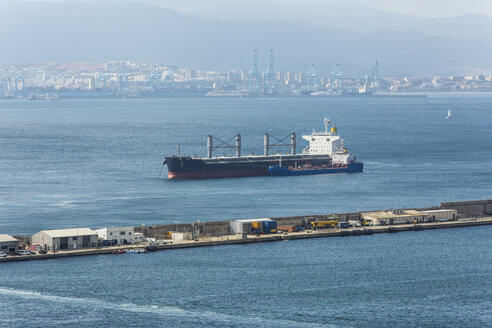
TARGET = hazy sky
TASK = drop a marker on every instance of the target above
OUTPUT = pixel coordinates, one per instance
(431, 8)
(323, 32)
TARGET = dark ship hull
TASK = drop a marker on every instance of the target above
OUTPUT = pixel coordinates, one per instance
(229, 167)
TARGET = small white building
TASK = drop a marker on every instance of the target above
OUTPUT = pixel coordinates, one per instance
(244, 225)
(393, 217)
(443, 214)
(8, 244)
(122, 235)
(138, 237)
(66, 238)
(176, 236)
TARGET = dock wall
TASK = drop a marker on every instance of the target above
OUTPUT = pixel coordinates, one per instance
(466, 209)
(470, 208)
(221, 228)
(209, 229)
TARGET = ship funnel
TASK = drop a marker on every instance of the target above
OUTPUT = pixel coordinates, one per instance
(334, 129)
(210, 145)
(266, 144)
(293, 142)
(238, 145)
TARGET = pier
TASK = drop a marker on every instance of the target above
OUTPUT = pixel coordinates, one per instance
(246, 239)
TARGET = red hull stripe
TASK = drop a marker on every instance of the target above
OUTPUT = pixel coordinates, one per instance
(219, 174)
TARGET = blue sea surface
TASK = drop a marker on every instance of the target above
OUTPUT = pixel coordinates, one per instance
(95, 163)
(410, 279)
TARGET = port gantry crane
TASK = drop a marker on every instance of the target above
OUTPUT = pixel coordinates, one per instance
(254, 81)
(336, 79)
(312, 79)
(370, 79)
(269, 77)
(154, 78)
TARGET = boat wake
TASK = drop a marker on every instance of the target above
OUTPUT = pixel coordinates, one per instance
(165, 311)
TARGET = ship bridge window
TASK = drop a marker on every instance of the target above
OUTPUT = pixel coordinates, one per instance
(313, 139)
(327, 139)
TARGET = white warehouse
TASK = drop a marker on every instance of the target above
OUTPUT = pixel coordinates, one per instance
(123, 235)
(66, 238)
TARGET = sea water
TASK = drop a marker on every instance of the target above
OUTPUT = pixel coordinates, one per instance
(437, 278)
(95, 163)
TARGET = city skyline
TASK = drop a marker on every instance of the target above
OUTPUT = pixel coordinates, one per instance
(136, 79)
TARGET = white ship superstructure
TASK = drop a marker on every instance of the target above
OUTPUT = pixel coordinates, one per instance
(328, 143)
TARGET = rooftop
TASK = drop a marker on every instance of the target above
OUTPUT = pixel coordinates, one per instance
(253, 220)
(6, 238)
(393, 214)
(69, 232)
(440, 211)
(117, 228)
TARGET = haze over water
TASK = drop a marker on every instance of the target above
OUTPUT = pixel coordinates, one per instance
(96, 162)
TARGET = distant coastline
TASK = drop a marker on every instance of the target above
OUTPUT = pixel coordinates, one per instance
(53, 95)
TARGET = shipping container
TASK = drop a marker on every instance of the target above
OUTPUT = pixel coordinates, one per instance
(256, 225)
(343, 225)
(287, 228)
(270, 226)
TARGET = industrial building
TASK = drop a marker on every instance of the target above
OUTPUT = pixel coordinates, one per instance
(8, 244)
(440, 215)
(66, 238)
(393, 217)
(122, 235)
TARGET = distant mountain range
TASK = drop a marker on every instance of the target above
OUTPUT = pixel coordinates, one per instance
(347, 16)
(35, 32)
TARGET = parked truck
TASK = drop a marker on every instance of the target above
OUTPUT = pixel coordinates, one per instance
(324, 224)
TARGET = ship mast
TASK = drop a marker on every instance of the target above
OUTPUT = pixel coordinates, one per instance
(326, 122)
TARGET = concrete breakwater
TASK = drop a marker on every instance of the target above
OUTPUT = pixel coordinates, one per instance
(465, 209)
(234, 239)
(469, 213)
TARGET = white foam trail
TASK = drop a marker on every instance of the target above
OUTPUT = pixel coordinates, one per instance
(67, 203)
(160, 310)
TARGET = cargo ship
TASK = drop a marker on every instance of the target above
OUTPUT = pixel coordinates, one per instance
(326, 149)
